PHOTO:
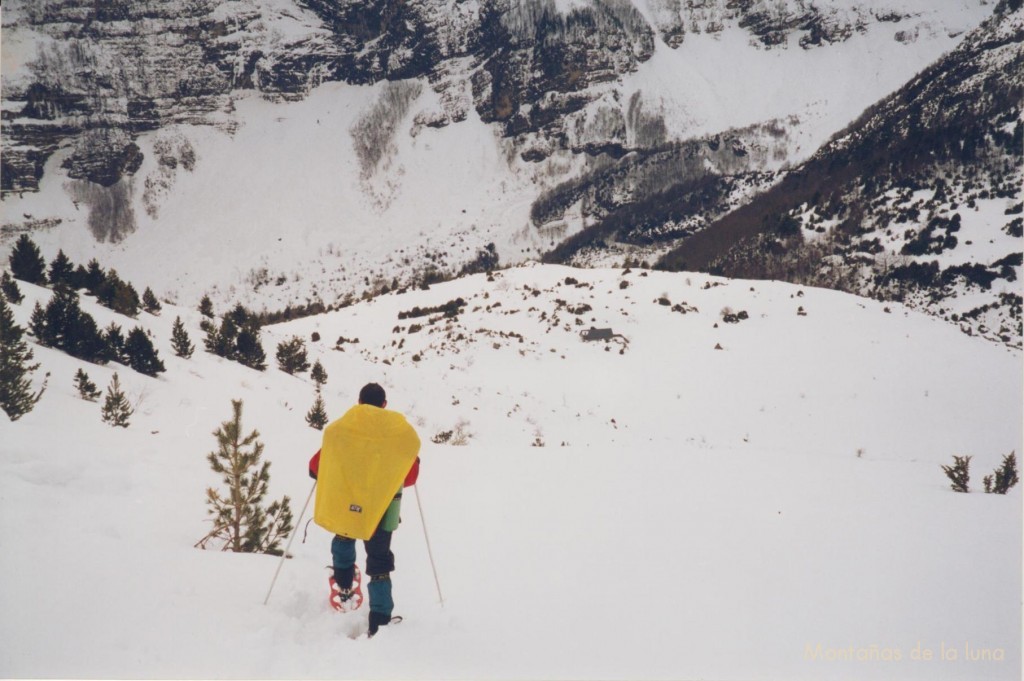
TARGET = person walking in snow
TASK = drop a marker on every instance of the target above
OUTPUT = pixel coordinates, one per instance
(367, 457)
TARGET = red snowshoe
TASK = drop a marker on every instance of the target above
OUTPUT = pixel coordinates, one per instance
(347, 600)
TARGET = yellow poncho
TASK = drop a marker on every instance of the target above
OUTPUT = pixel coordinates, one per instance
(364, 459)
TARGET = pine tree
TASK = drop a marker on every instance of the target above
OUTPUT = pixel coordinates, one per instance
(240, 316)
(9, 288)
(291, 355)
(238, 338)
(16, 396)
(63, 325)
(959, 473)
(180, 341)
(61, 314)
(316, 417)
(249, 349)
(79, 277)
(61, 271)
(108, 289)
(222, 341)
(85, 340)
(1004, 477)
(119, 296)
(318, 375)
(149, 302)
(206, 307)
(27, 262)
(37, 323)
(86, 388)
(95, 277)
(142, 356)
(240, 523)
(115, 345)
(116, 410)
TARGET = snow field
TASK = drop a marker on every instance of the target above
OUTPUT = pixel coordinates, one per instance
(708, 517)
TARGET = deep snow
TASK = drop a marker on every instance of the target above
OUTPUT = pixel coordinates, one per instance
(692, 513)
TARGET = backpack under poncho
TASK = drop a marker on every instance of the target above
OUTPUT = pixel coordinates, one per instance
(364, 459)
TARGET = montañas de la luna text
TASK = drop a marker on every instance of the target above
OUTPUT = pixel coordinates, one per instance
(920, 653)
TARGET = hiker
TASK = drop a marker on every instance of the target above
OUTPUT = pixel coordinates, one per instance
(368, 456)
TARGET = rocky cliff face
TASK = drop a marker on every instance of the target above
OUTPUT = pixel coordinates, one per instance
(96, 74)
(769, 23)
(134, 66)
(103, 71)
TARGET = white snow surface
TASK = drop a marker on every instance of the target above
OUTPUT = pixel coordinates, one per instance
(774, 509)
(714, 82)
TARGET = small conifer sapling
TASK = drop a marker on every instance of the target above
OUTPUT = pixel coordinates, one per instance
(149, 302)
(316, 417)
(206, 307)
(116, 410)
(959, 473)
(87, 390)
(319, 375)
(1004, 477)
(180, 341)
(291, 356)
(240, 523)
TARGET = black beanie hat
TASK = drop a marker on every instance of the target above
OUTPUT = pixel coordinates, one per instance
(373, 394)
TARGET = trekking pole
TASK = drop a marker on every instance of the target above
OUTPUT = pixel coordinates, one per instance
(429, 552)
(290, 540)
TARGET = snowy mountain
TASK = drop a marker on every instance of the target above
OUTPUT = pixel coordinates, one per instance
(755, 498)
(920, 199)
(280, 153)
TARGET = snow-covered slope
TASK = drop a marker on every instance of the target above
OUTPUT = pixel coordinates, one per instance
(919, 200)
(283, 210)
(697, 499)
(720, 80)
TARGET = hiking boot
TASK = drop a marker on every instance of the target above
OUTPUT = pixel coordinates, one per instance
(378, 620)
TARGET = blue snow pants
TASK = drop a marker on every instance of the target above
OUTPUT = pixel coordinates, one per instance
(380, 563)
